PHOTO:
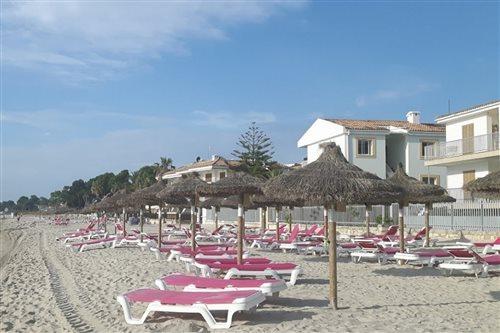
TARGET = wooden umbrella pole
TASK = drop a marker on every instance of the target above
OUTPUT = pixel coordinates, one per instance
(325, 219)
(277, 218)
(141, 221)
(193, 227)
(401, 230)
(123, 222)
(289, 214)
(332, 263)
(240, 231)
(159, 226)
(367, 217)
(266, 218)
(426, 220)
(216, 217)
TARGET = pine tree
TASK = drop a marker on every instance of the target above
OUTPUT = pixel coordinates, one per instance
(255, 151)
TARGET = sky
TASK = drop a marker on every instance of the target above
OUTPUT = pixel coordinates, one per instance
(94, 86)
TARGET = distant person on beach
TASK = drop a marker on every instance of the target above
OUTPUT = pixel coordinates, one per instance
(19, 217)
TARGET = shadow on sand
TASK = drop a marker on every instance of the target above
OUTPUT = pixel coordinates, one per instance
(409, 271)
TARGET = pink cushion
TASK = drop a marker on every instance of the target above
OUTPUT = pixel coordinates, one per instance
(254, 267)
(203, 282)
(233, 260)
(94, 241)
(493, 259)
(186, 297)
(348, 245)
(432, 253)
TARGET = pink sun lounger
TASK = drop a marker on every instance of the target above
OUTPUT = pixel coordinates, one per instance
(269, 287)
(470, 261)
(92, 243)
(276, 270)
(203, 303)
(422, 257)
(373, 251)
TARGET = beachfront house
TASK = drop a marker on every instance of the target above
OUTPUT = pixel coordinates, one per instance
(378, 146)
(210, 170)
(471, 149)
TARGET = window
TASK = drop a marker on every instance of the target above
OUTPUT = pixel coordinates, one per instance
(365, 147)
(430, 179)
(424, 144)
(208, 177)
(222, 175)
(469, 176)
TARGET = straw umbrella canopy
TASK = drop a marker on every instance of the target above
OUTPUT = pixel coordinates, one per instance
(184, 188)
(145, 197)
(242, 185)
(416, 192)
(486, 187)
(332, 182)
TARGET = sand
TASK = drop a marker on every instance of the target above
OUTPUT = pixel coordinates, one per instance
(47, 288)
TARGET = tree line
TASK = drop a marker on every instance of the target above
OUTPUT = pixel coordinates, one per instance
(81, 193)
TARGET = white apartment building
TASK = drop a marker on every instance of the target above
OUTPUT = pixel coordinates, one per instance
(471, 149)
(208, 170)
(378, 146)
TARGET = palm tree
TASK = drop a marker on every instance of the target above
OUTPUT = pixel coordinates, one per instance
(164, 165)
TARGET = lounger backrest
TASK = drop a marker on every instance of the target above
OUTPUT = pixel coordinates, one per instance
(421, 233)
(368, 245)
(311, 230)
(497, 241)
(295, 232)
(393, 229)
(321, 232)
(461, 254)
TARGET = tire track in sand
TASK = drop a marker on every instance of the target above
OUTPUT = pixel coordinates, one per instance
(63, 286)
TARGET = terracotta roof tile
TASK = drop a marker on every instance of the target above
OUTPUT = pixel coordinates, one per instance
(378, 125)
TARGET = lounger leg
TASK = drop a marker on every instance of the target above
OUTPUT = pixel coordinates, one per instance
(293, 277)
(170, 256)
(128, 316)
(209, 318)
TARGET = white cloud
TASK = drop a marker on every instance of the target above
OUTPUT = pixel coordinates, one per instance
(58, 120)
(384, 95)
(94, 40)
(228, 120)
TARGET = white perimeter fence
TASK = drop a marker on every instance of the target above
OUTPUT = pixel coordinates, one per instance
(464, 215)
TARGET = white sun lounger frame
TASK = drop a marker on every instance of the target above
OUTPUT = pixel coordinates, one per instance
(239, 304)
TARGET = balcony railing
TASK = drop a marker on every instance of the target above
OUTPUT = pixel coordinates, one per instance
(477, 144)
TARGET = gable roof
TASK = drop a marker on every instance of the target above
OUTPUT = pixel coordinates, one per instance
(218, 161)
(382, 125)
(471, 108)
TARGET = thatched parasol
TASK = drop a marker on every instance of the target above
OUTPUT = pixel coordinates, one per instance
(332, 182)
(485, 187)
(184, 188)
(241, 184)
(416, 191)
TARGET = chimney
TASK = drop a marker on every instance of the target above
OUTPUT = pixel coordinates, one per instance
(413, 117)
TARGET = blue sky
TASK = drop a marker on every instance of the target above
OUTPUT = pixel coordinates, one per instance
(99, 86)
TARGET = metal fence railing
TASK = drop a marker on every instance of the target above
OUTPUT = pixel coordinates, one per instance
(467, 215)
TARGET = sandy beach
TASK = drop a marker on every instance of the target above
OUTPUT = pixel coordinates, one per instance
(47, 288)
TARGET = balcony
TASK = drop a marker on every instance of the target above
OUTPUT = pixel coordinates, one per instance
(465, 149)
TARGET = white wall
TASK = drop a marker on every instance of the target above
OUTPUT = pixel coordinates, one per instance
(415, 164)
(314, 150)
(375, 164)
(454, 128)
